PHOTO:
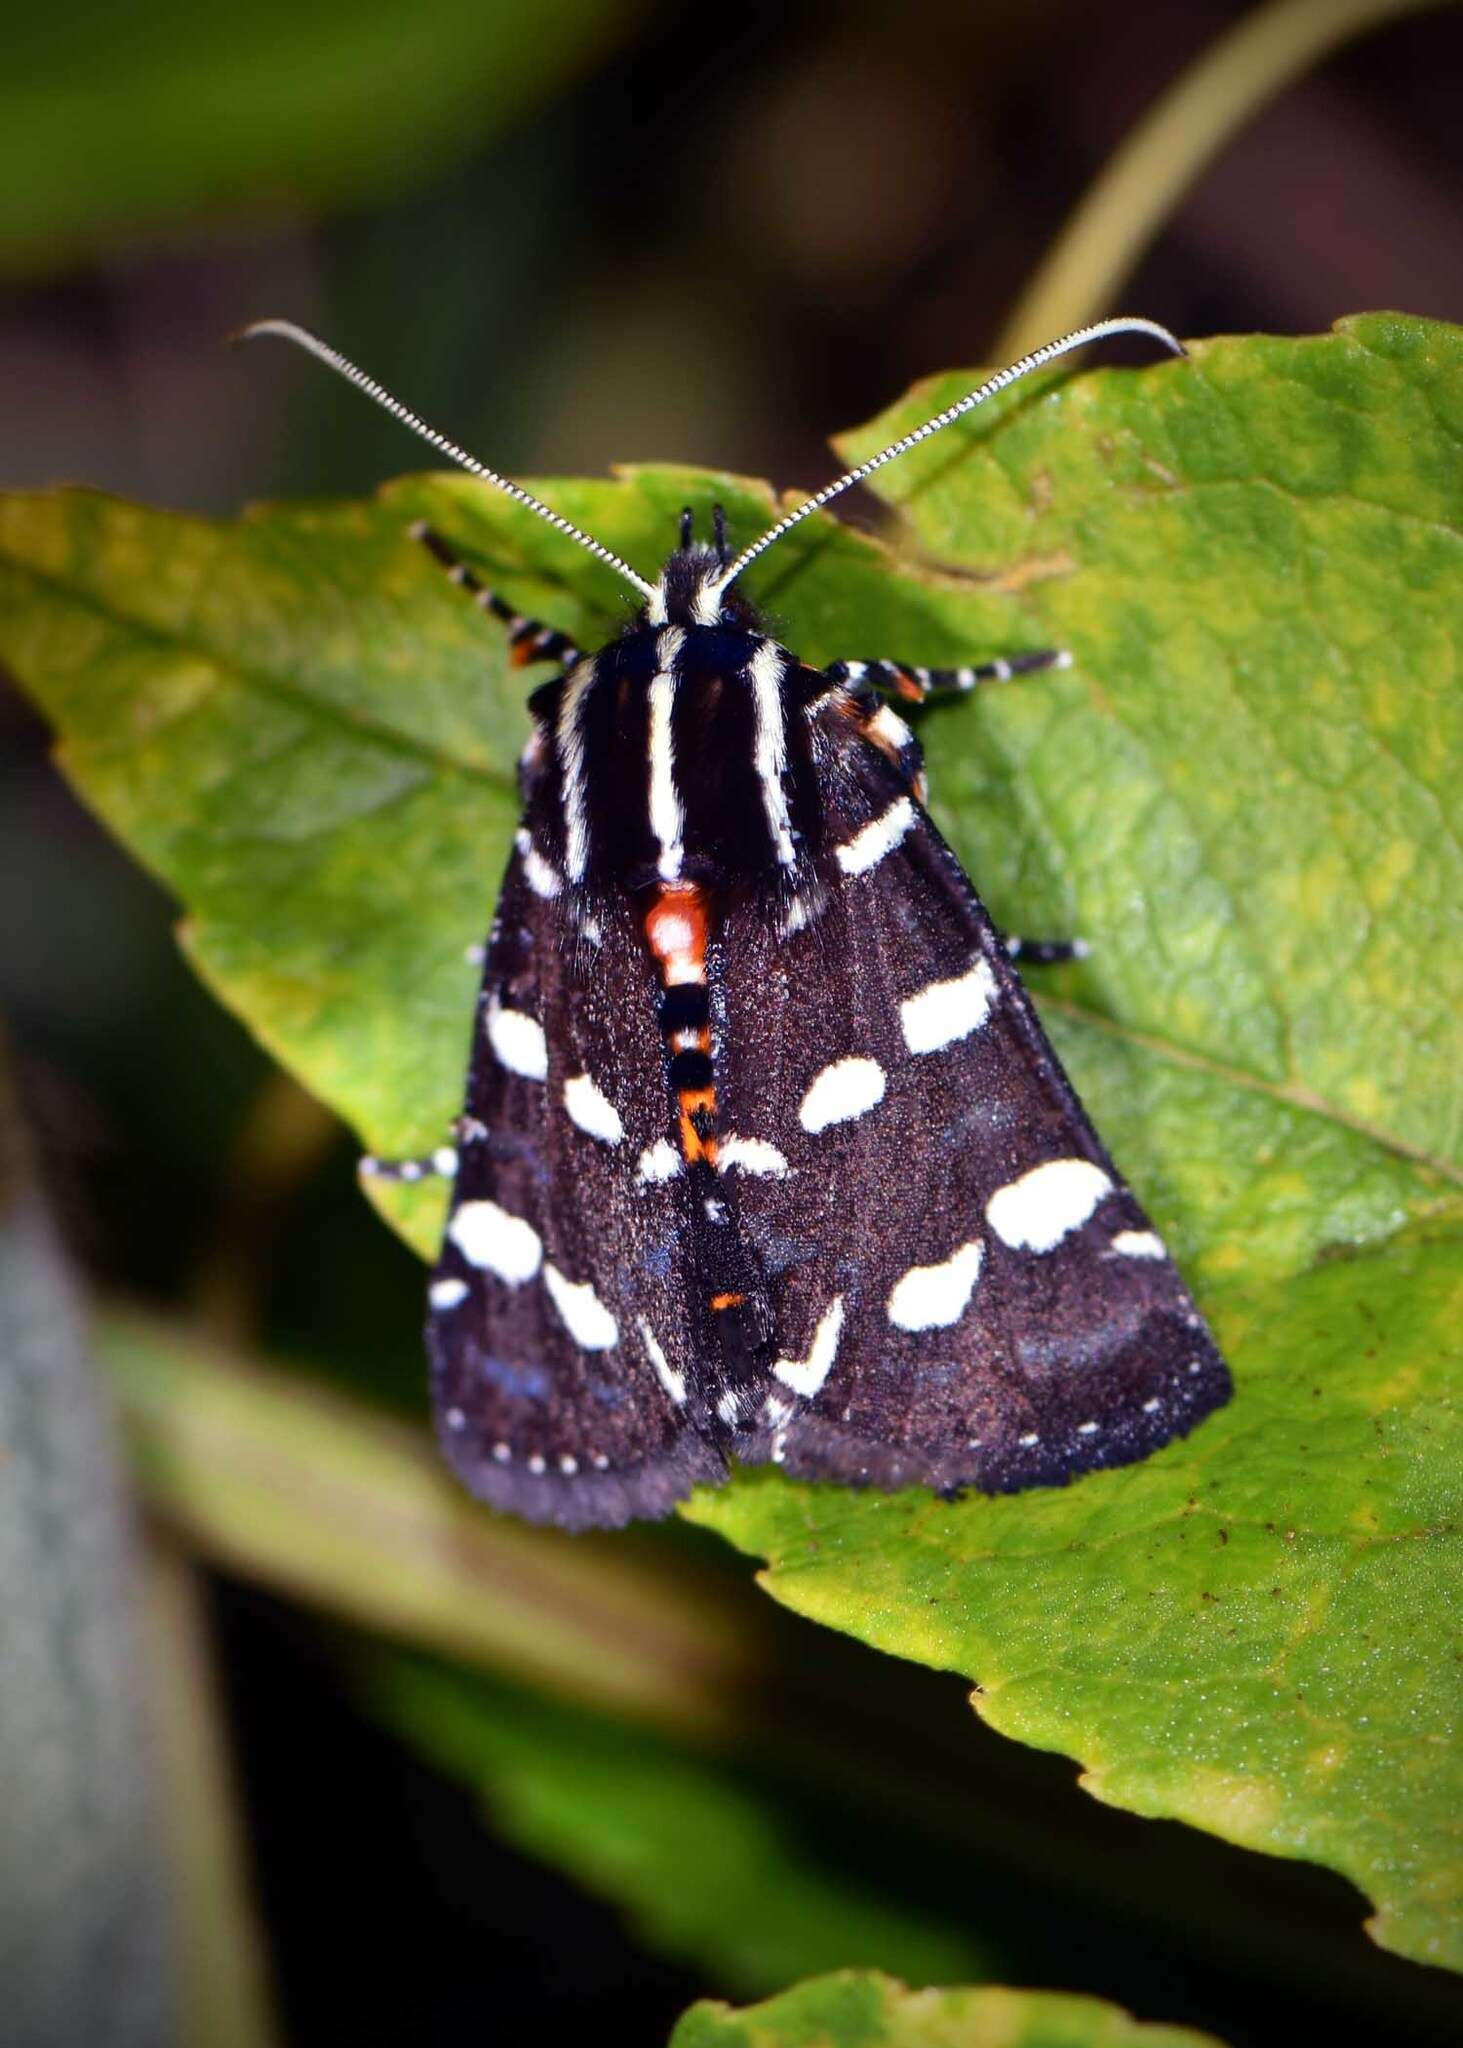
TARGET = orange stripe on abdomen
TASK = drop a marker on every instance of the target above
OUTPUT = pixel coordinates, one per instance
(678, 929)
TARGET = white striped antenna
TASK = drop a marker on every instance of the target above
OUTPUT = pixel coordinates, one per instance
(1079, 338)
(302, 338)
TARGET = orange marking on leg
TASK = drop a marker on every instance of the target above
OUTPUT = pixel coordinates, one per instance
(720, 1301)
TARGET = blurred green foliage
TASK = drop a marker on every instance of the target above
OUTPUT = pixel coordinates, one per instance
(145, 121)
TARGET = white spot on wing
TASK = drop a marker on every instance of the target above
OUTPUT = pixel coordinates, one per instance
(489, 1238)
(1139, 1244)
(592, 1111)
(948, 1010)
(670, 1379)
(770, 747)
(867, 848)
(581, 1311)
(445, 1294)
(660, 1161)
(806, 1375)
(752, 1155)
(667, 819)
(888, 726)
(518, 1042)
(1036, 1212)
(841, 1092)
(540, 874)
(934, 1297)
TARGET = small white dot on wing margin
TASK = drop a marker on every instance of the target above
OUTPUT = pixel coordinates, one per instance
(944, 1011)
(845, 1089)
(1037, 1211)
(1152, 1405)
(537, 1464)
(1139, 1244)
(501, 1453)
(1087, 1429)
(1031, 1437)
(447, 1294)
(444, 1161)
(568, 1465)
(455, 1419)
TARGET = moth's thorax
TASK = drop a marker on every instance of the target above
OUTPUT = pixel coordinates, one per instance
(678, 752)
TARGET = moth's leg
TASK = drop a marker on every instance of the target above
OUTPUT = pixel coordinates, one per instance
(527, 639)
(1044, 952)
(438, 1165)
(915, 685)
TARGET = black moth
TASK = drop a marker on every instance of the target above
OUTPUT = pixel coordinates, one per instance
(765, 1154)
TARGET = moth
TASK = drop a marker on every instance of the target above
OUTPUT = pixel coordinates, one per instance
(764, 1153)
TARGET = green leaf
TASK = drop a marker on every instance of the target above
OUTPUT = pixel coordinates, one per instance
(1242, 793)
(858, 2009)
(714, 1862)
(1249, 781)
(130, 122)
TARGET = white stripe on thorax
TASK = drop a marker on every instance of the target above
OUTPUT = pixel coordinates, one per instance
(765, 672)
(667, 818)
(570, 742)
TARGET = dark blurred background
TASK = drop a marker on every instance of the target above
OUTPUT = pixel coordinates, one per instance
(569, 234)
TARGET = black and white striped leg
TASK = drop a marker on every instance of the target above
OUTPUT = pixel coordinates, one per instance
(527, 639)
(1045, 952)
(438, 1165)
(915, 685)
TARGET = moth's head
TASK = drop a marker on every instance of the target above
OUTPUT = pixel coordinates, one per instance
(692, 588)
